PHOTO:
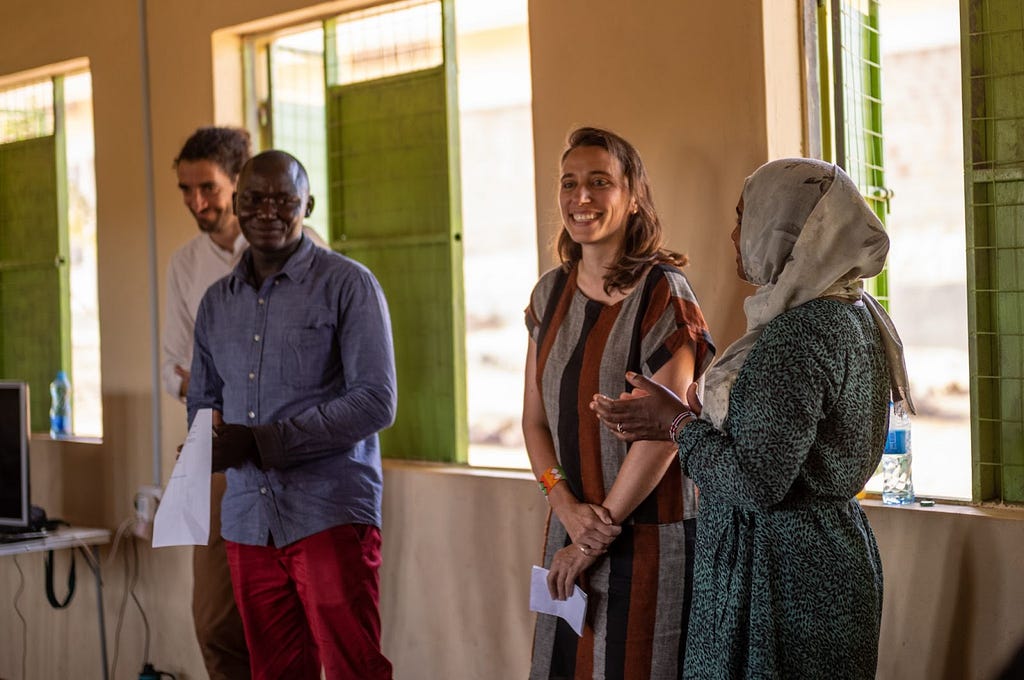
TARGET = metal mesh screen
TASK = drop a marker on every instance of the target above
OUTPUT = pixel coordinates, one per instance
(994, 146)
(859, 109)
(26, 111)
(384, 41)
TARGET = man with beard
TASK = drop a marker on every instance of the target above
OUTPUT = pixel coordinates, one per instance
(207, 169)
(294, 349)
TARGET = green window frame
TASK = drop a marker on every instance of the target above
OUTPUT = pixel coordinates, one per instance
(34, 249)
(844, 78)
(992, 43)
(393, 201)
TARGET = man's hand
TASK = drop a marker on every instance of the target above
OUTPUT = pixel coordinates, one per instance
(233, 445)
(184, 374)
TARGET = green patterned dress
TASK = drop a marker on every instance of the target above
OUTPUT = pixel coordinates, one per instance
(787, 578)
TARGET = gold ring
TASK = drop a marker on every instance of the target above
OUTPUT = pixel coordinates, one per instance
(583, 550)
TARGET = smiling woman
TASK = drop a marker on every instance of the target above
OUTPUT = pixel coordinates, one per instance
(622, 524)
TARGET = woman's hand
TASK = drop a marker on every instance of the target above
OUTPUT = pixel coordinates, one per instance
(589, 526)
(566, 567)
(646, 414)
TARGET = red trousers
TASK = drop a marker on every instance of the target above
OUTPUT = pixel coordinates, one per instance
(313, 602)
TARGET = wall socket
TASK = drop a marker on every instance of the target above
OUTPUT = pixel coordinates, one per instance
(147, 498)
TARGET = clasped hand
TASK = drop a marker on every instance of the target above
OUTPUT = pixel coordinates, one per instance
(566, 566)
(589, 526)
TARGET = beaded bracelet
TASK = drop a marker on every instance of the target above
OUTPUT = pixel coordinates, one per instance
(553, 475)
(679, 422)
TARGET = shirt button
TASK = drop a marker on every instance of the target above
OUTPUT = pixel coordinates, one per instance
(256, 338)
(252, 376)
(251, 415)
(277, 282)
(261, 301)
(263, 490)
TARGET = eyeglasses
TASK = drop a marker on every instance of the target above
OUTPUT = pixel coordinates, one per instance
(283, 204)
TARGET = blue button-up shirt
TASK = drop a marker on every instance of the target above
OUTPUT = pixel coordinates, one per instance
(306, 361)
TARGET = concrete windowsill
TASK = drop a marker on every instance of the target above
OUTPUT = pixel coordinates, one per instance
(963, 508)
(453, 469)
(44, 437)
(953, 508)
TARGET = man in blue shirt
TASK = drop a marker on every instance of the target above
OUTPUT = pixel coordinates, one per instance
(294, 349)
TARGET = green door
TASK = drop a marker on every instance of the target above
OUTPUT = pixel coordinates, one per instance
(33, 271)
(392, 171)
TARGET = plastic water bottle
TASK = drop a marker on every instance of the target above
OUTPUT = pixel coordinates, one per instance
(60, 406)
(897, 482)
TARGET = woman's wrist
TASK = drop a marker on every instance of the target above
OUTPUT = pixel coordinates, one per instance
(681, 420)
(550, 478)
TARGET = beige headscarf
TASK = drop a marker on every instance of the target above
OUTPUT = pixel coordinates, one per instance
(806, 233)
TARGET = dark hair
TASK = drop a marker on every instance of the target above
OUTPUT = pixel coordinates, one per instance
(228, 147)
(643, 244)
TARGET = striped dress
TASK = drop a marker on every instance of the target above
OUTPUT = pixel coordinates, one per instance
(638, 593)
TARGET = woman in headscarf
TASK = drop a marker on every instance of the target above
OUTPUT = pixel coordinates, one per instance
(787, 580)
(622, 520)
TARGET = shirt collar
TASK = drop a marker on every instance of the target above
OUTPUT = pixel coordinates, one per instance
(295, 267)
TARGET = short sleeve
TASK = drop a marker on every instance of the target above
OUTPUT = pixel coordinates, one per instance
(548, 287)
(673, 319)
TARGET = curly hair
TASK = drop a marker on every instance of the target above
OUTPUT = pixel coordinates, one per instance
(228, 147)
(643, 244)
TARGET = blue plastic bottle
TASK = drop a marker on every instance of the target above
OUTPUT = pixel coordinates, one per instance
(897, 482)
(60, 406)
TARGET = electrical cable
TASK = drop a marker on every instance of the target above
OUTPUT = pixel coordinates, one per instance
(142, 612)
(132, 570)
(24, 623)
(120, 619)
(51, 595)
(121, 529)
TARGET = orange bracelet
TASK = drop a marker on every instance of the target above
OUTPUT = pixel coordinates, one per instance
(553, 475)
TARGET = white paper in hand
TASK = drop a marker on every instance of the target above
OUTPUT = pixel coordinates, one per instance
(573, 610)
(183, 516)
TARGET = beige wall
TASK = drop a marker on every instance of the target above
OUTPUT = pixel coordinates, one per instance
(686, 82)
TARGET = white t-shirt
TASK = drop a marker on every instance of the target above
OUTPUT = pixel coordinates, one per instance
(194, 267)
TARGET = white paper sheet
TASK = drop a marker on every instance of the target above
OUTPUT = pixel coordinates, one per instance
(573, 610)
(183, 516)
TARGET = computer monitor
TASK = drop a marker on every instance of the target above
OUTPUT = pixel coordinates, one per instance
(15, 507)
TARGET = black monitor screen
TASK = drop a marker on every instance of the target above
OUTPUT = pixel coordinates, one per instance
(14, 501)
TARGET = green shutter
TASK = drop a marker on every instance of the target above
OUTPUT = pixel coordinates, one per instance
(993, 61)
(393, 175)
(851, 92)
(34, 312)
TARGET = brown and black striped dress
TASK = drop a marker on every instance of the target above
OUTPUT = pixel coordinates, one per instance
(638, 593)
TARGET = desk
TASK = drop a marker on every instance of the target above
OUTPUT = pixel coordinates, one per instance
(87, 541)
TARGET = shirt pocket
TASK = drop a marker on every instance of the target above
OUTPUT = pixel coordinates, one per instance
(309, 350)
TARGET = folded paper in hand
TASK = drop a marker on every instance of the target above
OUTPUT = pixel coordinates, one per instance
(183, 516)
(573, 610)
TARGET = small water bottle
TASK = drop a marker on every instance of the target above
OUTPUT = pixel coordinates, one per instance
(897, 482)
(60, 406)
